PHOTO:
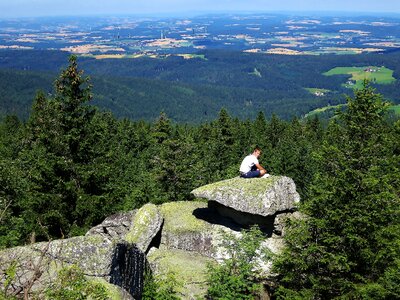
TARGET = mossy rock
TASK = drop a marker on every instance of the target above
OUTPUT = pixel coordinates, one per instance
(258, 196)
(114, 292)
(179, 216)
(93, 254)
(24, 261)
(188, 268)
(184, 230)
(114, 227)
(145, 226)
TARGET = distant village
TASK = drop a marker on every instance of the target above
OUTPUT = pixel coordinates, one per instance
(251, 34)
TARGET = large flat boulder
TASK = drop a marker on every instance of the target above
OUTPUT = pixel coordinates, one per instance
(194, 230)
(257, 196)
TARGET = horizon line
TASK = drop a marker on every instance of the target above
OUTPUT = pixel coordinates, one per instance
(195, 13)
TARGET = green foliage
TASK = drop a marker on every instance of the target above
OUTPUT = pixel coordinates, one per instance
(12, 192)
(70, 166)
(236, 277)
(71, 284)
(53, 156)
(161, 287)
(9, 277)
(348, 245)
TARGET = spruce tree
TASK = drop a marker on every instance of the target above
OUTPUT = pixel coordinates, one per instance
(54, 158)
(222, 146)
(347, 245)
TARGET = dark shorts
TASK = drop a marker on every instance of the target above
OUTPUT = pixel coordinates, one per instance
(250, 174)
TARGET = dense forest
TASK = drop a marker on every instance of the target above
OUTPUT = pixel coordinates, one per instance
(193, 90)
(69, 165)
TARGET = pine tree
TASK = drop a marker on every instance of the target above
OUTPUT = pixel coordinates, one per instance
(236, 276)
(173, 165)
(348, 245)
(54, 158)
(222, 147)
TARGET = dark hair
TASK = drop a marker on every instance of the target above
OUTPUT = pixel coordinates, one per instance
(256, 148)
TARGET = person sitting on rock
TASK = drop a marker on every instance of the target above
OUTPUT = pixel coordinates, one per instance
(250, 166)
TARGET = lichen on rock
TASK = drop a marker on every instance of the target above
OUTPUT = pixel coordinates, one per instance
(188, 268)
(183, 230)
(41, 262)
(259, 196)
(114, 292)
(146, 224)
(179, 216)
(114, 227)
(93, 253)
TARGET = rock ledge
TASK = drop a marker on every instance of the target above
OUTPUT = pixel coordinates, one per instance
(259, 196)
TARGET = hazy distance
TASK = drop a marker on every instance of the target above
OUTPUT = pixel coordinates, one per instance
(36, 8)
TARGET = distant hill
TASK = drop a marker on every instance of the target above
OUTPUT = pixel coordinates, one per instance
(18, 89)
(138, 98)
(193, 90)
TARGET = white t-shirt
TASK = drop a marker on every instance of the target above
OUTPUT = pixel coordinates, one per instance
(248, 162)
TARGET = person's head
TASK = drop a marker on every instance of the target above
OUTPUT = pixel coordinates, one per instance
(257, 152)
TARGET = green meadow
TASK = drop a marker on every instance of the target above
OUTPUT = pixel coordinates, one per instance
(321, 110)
(395, 108)
(329, 111)
(379, 75)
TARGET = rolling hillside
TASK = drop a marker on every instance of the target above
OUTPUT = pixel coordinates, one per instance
(194, 90)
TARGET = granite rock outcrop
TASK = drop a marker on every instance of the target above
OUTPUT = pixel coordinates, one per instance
(178, 237)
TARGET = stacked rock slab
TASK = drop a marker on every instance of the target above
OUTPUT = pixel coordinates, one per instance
(255, 201)
(145, 226)
(258, 196)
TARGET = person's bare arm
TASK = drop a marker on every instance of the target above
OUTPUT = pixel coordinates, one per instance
(259, 167)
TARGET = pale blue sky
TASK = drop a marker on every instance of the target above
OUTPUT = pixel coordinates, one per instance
(18, 8)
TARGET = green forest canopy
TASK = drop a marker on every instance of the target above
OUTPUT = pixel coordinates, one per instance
(194, 90)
